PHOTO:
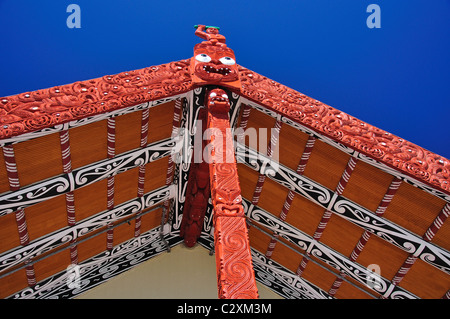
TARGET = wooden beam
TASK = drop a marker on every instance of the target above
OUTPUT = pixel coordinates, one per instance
(141, 177)
(70, 199)
(111, 143)
(235, 274)
(14, 185)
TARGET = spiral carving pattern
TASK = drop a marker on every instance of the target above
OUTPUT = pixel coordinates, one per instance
(233, 259)
(235, 275)
(31, 111)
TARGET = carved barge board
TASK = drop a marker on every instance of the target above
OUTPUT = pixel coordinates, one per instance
(235, 274)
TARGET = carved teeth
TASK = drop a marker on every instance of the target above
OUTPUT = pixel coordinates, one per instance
(211, 69)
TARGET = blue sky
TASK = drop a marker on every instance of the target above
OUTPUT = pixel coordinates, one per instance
(396, 77)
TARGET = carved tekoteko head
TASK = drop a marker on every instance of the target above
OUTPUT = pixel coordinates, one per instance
(214, 63)
(218, 101)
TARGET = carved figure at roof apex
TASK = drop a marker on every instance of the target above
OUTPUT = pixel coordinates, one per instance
(213, 62)
(210, 34)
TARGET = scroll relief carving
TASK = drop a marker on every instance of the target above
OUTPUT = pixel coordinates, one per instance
(31, 111)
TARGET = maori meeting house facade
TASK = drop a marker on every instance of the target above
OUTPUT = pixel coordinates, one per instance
(280, 189)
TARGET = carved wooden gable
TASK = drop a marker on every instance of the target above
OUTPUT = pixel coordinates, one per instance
(100, 175)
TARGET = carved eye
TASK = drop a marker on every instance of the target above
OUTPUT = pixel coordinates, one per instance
(203, 57)
(227, 60)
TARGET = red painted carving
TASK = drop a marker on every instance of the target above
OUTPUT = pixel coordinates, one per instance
(235, 275)
(31, 111)
(210, 34)
(197, 195)
(213, 61)
(378, 144)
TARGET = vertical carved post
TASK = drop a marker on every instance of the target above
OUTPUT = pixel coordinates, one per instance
(235, 275)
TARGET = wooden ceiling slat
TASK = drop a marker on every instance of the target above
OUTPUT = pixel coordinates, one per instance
(151, 220)
(272, 197)
(155, 174)
(128, 131)
(428, 236)
(123, 232)
(304, 214)
(291, 146)
(388, 257)
(341, 235)
(91, 247)
(46, 217)
(434, 286)
(367, 185)
(4, 182)
(13, 283)
(90, 199)
(160, 121)
(87, 153)
(321, 169)
(260, 124)
(414, 209)
(322, 277)
(126, 186)
(52, 264)
(9, 236)
(38, 159)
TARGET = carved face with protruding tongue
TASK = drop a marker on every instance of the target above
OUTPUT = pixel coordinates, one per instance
(218, 101)
(215, 64)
